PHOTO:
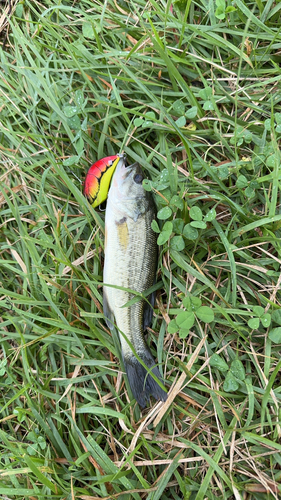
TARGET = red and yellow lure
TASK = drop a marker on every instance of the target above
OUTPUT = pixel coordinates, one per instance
(97, 181)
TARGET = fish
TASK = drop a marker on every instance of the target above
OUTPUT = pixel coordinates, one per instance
(130, 262)
(98, 179)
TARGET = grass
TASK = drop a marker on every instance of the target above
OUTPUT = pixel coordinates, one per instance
(193, 94)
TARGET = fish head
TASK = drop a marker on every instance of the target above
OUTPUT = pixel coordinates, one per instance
(127, 195)
(97, 181)
(127, 182)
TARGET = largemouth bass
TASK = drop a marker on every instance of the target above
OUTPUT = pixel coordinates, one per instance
(130, 262)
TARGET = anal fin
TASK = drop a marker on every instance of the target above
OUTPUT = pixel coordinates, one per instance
(148, 310)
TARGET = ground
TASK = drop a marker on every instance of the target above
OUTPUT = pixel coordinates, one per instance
(190, 90)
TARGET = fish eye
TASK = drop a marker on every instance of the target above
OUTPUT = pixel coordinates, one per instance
(138, 178)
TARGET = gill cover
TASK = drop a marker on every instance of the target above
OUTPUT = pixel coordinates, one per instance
(97, 181)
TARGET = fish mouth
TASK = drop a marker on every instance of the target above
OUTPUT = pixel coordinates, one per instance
(129, 170)
(126, 170)
(122, 159)
(123, 163)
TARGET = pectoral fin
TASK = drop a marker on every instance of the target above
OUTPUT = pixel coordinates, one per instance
(109, 316)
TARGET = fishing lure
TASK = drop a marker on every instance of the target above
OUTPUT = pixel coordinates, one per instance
(97, 181)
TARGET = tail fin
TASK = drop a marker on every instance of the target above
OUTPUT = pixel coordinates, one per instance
(141, 382)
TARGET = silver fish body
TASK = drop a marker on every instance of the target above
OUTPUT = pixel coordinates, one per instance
(130, 262)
